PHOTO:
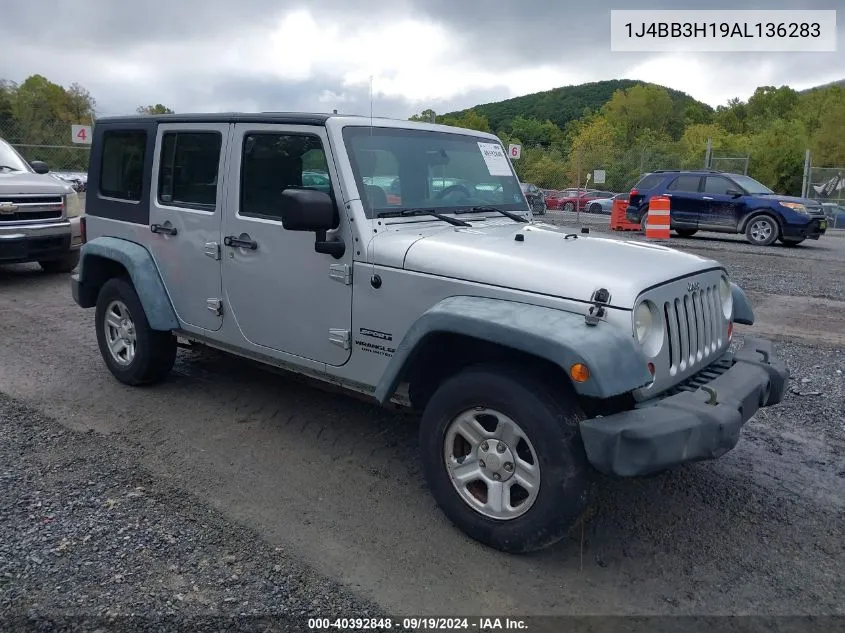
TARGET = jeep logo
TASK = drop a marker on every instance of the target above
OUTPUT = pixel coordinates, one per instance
(693, 286)
(7, 208)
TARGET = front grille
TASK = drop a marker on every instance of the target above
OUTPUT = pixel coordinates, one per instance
(30, 208)
(702, 377)
(694, 328)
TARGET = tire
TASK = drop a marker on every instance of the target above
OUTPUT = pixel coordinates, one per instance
(791, 241)
(65, 264)
(644, 221)
(686, 232)
(594, 208)
(546, 417)
(154, 352)
(569, 207)
(762, 230)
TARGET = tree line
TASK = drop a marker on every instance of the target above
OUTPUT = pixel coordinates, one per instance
(36, 117)
(645, 127)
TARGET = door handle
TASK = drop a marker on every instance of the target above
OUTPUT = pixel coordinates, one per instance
(166, 230)
(706, 198)
(236, 242)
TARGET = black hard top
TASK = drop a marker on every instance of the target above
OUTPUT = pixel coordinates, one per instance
(290, 118)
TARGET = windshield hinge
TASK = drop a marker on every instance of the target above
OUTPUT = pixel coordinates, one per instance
(341, 338)
(341, 273)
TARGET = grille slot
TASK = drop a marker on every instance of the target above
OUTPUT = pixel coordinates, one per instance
(693, 328)
(30, 208)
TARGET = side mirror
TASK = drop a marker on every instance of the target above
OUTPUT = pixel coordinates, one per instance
(309, 210)
(736, 193)
(39, 166)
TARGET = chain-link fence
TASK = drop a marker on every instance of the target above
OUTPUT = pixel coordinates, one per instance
(827, 185)
(732, 164)
(51, 142)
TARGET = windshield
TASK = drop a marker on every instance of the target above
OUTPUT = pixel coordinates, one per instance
(750, 185)
(10, 158)
(398, 169)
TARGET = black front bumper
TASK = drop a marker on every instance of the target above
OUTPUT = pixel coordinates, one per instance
(813, 230)
(32, 249)
(691, 425)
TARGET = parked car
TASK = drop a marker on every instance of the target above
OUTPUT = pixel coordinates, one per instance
(553, 198)
(835, 213)
(578, 199)
(39, 214)
(76, 179)
(605, 205)
(722, 202)
(533, 361)
(534, 196)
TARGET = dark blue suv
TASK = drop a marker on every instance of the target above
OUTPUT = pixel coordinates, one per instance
(706, 200)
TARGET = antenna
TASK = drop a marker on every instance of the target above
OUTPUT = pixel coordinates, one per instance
(371, 105)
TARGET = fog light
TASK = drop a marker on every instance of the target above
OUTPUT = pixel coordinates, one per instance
(579, 372)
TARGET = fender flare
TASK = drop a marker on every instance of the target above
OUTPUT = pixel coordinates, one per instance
(742, 311)
(615, 362)
(143, 272)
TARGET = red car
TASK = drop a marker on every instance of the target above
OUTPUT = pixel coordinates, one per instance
(579, 200)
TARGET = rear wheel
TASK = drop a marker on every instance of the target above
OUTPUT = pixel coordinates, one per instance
(64, 264)
(503, 457)
(134, 352)
(762, 230)
(686, 232)
(644, 221)
(791, 241)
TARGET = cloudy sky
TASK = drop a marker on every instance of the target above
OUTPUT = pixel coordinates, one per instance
(253, 55)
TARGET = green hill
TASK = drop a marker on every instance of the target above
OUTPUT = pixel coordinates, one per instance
(840, 83)
(562, 105)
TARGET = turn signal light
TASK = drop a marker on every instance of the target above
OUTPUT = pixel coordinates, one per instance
(651, 368)
(579, 372)
(730, 330)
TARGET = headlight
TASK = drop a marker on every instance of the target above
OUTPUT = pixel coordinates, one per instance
(795, 206)
(727, 296)
(642, 322)
(73, 206)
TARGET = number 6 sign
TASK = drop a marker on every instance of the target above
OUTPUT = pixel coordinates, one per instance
(514, 151)
(80, 134)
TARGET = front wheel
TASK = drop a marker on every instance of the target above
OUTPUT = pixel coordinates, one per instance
(64, 264)
(134, 352)
(761, 230)
(594, 208)
(503, 457)
(569, 207)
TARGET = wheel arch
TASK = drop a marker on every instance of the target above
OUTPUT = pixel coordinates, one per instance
(756, 213)
(106, 257)
(464, 330)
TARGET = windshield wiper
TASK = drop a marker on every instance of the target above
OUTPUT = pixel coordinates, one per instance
(407, 213)
(513, 216)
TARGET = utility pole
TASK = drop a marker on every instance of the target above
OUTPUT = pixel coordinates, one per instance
(708, 155)
(805, 185)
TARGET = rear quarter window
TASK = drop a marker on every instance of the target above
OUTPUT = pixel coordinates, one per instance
(122, 167)
(649, 182)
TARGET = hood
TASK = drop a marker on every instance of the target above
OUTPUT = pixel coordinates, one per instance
(544, 262)
(18, 182)
(779, 198)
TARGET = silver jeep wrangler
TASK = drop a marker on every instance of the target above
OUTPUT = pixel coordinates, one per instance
(401, 260)
(39, 215)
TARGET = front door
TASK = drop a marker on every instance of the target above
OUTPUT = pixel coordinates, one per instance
(722, 206)
(283, 295)
(188, 191)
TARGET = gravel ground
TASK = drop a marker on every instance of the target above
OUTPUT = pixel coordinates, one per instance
(87, 537)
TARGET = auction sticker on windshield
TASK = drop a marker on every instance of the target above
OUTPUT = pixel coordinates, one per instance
(494, 156)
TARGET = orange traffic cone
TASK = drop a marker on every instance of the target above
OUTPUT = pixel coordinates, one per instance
(657, 223)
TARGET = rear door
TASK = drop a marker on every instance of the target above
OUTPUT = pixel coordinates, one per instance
(188, 190)
(721, 207)
(686, 203)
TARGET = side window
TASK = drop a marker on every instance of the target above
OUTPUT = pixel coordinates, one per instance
(685, 183)
(273, 162)
(649, 182)
(188, 169)
(718, 185)
(122, 167)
